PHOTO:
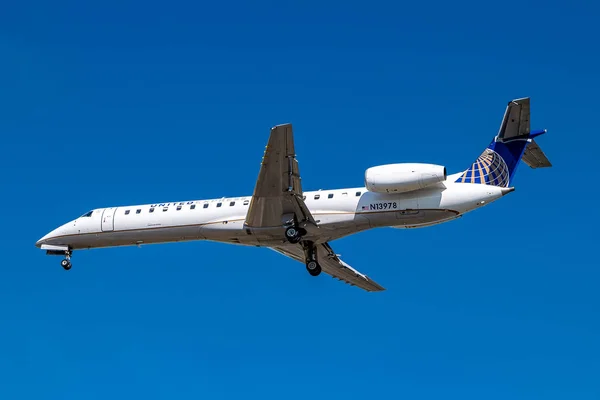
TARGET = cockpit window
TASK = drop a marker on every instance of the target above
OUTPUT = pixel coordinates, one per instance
(89, 214)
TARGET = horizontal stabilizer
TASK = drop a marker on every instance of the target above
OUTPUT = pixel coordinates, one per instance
(535, 157)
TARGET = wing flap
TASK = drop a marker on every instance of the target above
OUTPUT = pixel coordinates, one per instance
(332, 265)
(337, 268)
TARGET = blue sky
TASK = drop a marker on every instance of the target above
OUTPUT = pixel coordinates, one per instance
(137, 102)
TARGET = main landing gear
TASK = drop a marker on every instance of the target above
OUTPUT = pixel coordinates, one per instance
(294, 234)
(312, 264)
(313, 268)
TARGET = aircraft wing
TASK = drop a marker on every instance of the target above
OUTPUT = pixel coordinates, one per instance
(278, 191)
(332, 265)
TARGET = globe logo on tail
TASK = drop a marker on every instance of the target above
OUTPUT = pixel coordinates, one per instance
(489, 169)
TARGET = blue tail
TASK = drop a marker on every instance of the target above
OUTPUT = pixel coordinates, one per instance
(498, 163)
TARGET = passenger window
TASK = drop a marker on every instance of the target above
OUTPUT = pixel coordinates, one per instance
(178, 208)
(330, 196)
(246, 202)
(151, 209)
(219, 204)
(193, 207)
(138, 211)
(126, 212)
(232, 204)
(165, 209)
(317, 196)
(345, 194)
(357, 193)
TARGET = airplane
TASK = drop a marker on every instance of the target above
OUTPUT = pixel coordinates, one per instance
(281, 216)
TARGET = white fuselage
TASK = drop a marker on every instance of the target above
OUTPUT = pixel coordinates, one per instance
(338, 213)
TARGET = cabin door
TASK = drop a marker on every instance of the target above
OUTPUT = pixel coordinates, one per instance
(108, 219)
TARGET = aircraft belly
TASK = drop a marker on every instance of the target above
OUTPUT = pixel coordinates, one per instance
(409, 217)
(132, 237)
(231, 232)
(337, 225)
(415, 218)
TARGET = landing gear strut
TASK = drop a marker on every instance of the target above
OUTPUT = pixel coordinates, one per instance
(66, 263)
(312, 265)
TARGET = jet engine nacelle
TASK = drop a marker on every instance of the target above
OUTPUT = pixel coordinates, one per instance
(400, 178)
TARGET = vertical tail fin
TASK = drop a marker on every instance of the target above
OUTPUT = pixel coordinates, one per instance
(498, 163)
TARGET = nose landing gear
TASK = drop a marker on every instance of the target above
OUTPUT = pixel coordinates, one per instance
(66, 263)
(65, 251)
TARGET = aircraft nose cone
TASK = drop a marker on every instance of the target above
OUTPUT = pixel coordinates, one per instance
(40, 242)
(48, 238)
